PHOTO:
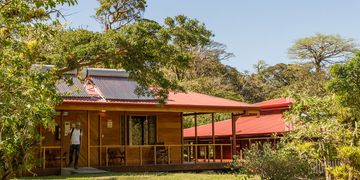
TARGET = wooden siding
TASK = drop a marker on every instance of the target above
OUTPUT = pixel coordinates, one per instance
(168, 128)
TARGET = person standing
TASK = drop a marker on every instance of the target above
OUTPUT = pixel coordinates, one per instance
(75, 142)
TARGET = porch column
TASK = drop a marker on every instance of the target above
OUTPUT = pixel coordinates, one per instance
(196, 139)
(182, 137)
(213, 135)
(88, 139)
(213, 128)
(233, 126)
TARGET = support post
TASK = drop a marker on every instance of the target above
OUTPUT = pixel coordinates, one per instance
(233, 126)
(213, 135)
(88, 139)
(182, 137)
(61, 141)
(126, 136)
(196, 137)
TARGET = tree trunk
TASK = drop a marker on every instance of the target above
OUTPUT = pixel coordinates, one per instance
(318, 66)
(6, 175)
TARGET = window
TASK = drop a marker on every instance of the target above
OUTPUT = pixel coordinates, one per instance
(142, 130)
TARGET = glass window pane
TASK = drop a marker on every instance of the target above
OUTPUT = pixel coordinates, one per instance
(152, 129)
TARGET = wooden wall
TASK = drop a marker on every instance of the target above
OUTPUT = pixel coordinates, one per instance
(168, 131)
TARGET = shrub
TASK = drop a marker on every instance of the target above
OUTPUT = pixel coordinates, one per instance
(268, 163)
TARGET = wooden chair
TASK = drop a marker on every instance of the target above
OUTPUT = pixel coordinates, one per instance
(114, 154)
(162, 153)
(55, 156)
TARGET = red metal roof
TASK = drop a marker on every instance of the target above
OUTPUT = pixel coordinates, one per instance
(274, 103)
(245, 125)
(190, 99)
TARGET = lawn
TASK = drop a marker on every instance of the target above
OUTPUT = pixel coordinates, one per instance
(150, 176)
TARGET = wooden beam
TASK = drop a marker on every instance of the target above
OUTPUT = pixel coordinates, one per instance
(233, 126)
(213, 128)
(88, 139)
(61, 139)
(196, 137)
(126, 136)
(192, 114)
(182, 136)
(150, 108)
(100, 140)
(213, 135)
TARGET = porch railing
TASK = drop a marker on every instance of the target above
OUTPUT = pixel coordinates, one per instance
(141, 154)
(209, 153)
(44, 154)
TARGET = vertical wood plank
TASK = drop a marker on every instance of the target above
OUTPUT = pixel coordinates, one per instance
(44, 162)
(213, 134)
(182, 137)
(106, 156)
(100, 141)
(169, 154)
(221, 153)
(196, 153)
(233, 126)
(126, 136)
(196, 137)
(61, 139)
(141, 159)
(88, 139)
(155, 154)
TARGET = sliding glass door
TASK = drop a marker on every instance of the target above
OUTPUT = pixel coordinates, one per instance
(142, 130)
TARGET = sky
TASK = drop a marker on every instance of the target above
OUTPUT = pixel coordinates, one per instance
(251, 29)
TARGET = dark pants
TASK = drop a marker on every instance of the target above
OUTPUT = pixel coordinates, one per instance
(73, 147)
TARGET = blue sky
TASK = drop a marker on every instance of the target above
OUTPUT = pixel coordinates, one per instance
(251, 29)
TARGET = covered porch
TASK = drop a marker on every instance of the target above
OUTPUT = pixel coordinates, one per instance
(115, 137)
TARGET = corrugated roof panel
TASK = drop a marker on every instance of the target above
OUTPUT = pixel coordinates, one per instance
(265, 124)
(118, 88)
(76, 90)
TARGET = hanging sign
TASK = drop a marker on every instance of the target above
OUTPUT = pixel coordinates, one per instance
(67, 128)
(109, 123)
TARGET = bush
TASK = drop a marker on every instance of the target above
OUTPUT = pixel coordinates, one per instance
(350, 166)
(269, 163)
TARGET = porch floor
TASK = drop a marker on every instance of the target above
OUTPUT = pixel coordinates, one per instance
(167, 167)
(81, 170)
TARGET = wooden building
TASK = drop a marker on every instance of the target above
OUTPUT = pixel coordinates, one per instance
(126, 132)
(269, 126)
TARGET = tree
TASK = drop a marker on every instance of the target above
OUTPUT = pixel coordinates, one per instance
(260, 66)
(321, 49)
(30, 34)
(113, 14)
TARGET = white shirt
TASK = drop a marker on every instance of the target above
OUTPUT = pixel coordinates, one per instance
(76, 135)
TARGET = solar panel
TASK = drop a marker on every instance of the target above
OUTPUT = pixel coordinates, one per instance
(118, 88)
(76, 90)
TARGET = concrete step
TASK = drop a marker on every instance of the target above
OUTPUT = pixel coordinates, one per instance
(81, 170)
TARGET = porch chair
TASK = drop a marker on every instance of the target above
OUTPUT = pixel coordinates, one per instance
(55, 156)
(162, 153)
(114, 154)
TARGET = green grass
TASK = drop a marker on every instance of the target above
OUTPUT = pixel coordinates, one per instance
(150, 176)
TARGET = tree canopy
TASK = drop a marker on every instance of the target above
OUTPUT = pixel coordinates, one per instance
(321, 49)
(30, 33)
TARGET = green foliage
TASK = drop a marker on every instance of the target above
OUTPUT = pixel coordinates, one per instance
(114, 14)
(350, 167)
(345, 83)
(269, 163)
(30, 34)
(321, 49)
